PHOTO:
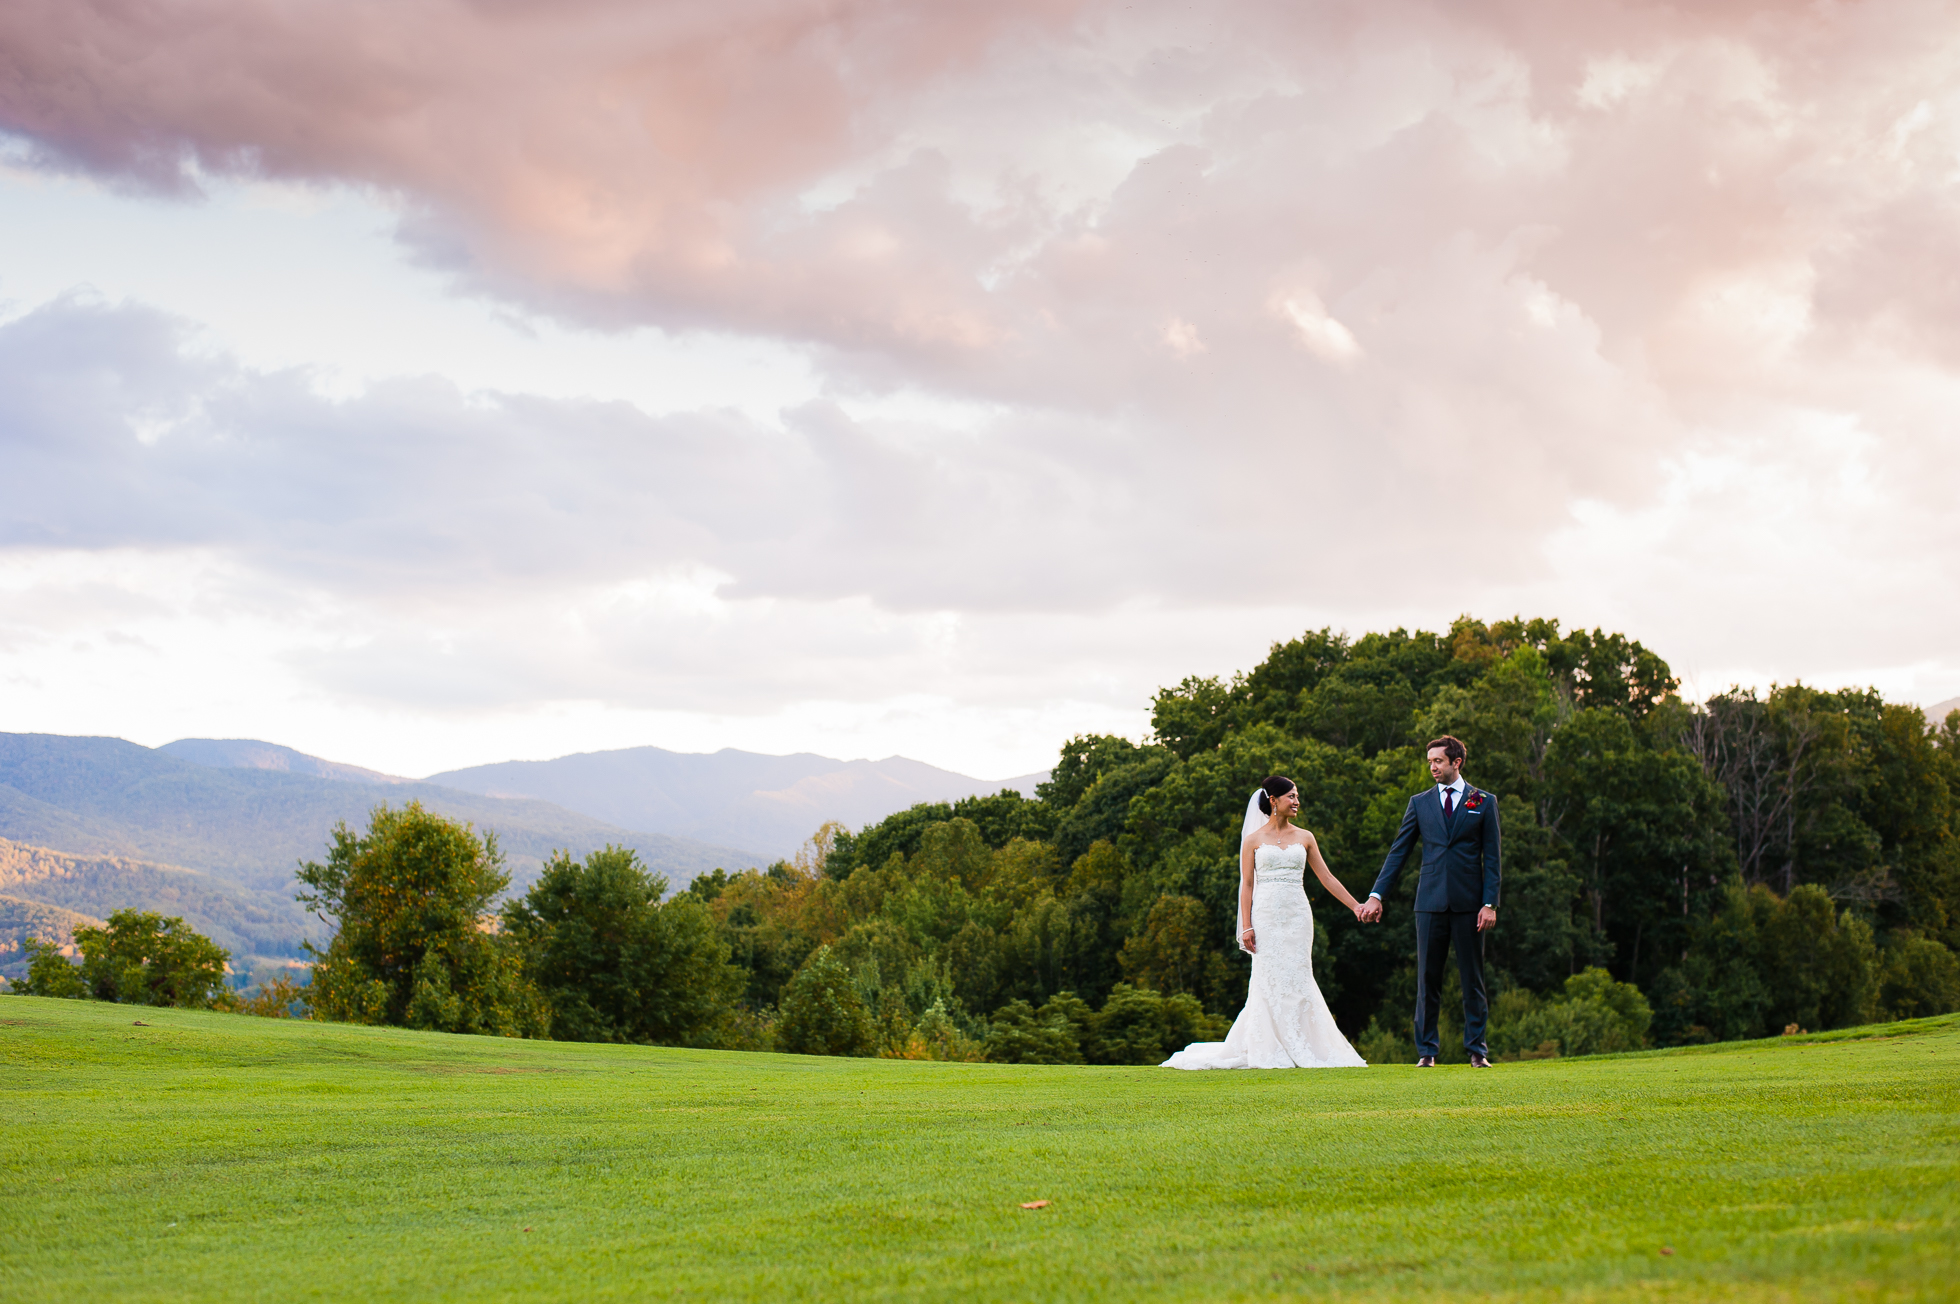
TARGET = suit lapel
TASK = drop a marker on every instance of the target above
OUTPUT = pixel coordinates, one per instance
(1435, 808)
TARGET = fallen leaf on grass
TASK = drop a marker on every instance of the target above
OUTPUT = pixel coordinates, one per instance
(527, 1229)
(139, 1024)
(1667, 1249)
(1036, 1204)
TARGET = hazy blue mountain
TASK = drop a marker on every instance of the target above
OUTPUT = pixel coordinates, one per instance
(251, 826)
(250, 754)
(735, 798)
(1938, 712)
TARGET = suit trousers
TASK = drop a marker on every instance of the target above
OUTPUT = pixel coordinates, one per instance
(1436, 932)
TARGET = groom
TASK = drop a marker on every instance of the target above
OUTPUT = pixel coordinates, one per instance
(1456, 895)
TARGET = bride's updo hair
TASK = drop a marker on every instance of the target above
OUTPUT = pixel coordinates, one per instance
(1275, 786)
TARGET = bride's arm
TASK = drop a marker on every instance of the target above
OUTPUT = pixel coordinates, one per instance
(1247, 939)
(1326, 875)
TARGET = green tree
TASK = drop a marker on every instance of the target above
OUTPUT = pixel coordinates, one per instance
(49, 973)
(1820, 964)
(823, 1013)
(615, 964)
(1639, 827)
(1191, 718)
(412, 946)
(1919, 978)
(1763, 962)
(1103, 811)
(139, 958)
(1174, 952)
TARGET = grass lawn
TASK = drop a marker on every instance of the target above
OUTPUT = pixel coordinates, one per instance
(211, 1156)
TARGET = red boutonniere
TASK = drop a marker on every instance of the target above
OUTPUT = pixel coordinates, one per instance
(1473, 801)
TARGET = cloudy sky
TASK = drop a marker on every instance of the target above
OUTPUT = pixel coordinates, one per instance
(429, 382)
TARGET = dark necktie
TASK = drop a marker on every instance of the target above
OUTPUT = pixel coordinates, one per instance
(1449, 802)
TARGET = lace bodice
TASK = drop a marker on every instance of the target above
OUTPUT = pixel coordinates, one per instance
(1275, 864)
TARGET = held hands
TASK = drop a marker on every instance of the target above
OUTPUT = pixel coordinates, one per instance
(1369, 911)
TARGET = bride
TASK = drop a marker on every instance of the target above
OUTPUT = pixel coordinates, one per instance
(1285, 1023)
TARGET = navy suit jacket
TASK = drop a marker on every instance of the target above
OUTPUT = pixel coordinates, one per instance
(1459, 855)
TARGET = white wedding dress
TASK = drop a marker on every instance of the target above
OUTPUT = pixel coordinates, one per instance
(1285, 1023)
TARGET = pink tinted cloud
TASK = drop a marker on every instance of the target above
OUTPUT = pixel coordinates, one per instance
(592, 150)
(1411, 255)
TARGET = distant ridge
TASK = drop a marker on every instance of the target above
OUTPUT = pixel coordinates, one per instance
(250, 754)
(1938, 712)
(244, 829)
(734, 798)
(212, 829)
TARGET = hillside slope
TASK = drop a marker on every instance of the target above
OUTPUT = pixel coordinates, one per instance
(21, 919)
(243, 920)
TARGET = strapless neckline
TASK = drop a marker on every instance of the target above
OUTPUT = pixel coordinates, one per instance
(1276, 848)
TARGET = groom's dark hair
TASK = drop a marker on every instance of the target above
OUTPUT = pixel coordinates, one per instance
(1452, 748)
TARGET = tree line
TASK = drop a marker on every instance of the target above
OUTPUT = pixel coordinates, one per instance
(1673, 873)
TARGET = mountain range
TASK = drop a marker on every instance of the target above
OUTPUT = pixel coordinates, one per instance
(212, 829)
(769, 804)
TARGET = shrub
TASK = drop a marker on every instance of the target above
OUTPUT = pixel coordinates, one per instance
(1820, 965)
(1594, 1015)
(1174, 952)
(741, 1028)
(822, 1011)
(1017, 1034)
(275, 998)
(1380, 1046)
(1920, 977)
(937, 1037)
(1140, 1026)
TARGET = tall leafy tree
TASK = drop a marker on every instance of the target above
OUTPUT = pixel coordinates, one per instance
(823, 1013)
(614, 962)
(1641, 828)
(413, 944)
(139, 958)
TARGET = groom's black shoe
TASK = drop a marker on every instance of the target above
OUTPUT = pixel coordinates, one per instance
(1426, 1062)
(1479, 1061)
